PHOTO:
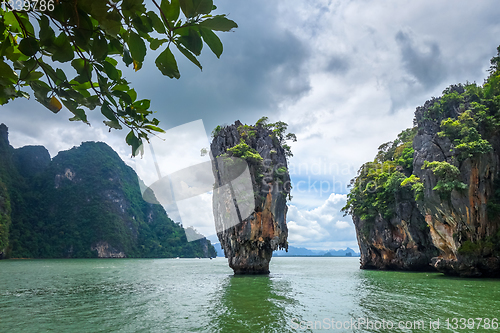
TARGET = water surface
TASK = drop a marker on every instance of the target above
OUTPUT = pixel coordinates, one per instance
(201, 295)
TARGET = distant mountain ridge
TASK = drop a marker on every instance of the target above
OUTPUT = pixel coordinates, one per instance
(300, 251)
(83, 203)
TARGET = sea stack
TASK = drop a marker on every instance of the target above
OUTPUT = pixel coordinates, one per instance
(251, 189)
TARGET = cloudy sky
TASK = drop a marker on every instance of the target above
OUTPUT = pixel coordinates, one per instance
(345, 75)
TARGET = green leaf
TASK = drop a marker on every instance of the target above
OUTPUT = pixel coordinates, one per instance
(112, 23)
(167, 65)
(132, 94)
(212, 41)
(157, 23)
(189, 55)
(203, 6)
(170, 9)
(46, 34)
(78, 65)
(99, 48)
(154, 43)
(33, 76)
(133, 141)
(64, 51)
(127, 59)
(192, 41)
(154, 128)
(113, 124)
(187, 8)
(123, 96)
(142, 104)
(137, 47)
(29, 46)
(107, 112)
(40, 89)
(91, 102)
(79, 115)
(133, 6)
(60, 74)
(111, 71)
(7, 75)
(219, 23)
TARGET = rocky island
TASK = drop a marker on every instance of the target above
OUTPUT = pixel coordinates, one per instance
(83, 203)
(431, 198)
(257, 225)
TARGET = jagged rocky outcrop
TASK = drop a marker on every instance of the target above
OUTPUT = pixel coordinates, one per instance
(401, 242)
(432, 198)
(461, 222)
(257, 225)
(85, 202)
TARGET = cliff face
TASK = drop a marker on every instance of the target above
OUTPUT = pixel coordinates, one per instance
(257, 225)
(401, 242)
(451, 165)
(462, 223)
(433, 197)
(85, 202)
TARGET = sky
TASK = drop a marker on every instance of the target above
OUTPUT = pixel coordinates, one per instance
(345, 75)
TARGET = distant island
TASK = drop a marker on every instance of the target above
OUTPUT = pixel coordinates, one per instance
(302, 252)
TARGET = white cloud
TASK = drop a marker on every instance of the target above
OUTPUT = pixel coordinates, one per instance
(323, 227)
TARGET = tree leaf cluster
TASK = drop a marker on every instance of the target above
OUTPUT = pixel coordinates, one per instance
(94, 36)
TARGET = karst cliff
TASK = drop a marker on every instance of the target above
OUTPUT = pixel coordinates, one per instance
(431, 198)
(249, 200)
(83, 203)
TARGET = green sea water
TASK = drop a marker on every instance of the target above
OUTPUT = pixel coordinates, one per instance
(202, 295)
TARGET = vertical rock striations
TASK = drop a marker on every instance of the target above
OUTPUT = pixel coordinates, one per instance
(391, 232)
(449, 182)
(257, 225)
(460, 178)
(401, 242)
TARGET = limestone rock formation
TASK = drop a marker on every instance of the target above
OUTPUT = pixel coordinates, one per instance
(461, 222)
(85, 202)
(401, 242)
(433, 197)
(257, 225)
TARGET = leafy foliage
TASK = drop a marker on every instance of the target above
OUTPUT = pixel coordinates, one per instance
(377, 184)
(464, 134)
(91, 35)
(279, 133)
(244, 151)
(448, 177)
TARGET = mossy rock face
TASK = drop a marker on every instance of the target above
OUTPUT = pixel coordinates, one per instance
(248, 241)
(454, 150)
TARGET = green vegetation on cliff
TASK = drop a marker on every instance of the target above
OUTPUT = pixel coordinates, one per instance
(457, 137)
(83, 197)
(373, 190)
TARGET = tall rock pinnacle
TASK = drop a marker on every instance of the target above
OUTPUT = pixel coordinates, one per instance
(252, 185)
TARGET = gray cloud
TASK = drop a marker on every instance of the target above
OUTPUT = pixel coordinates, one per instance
(426, 65)
(338, 65)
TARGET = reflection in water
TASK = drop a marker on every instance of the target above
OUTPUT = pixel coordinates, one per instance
(253, 304)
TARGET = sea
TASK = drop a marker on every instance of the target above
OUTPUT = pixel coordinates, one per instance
(300, 294)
